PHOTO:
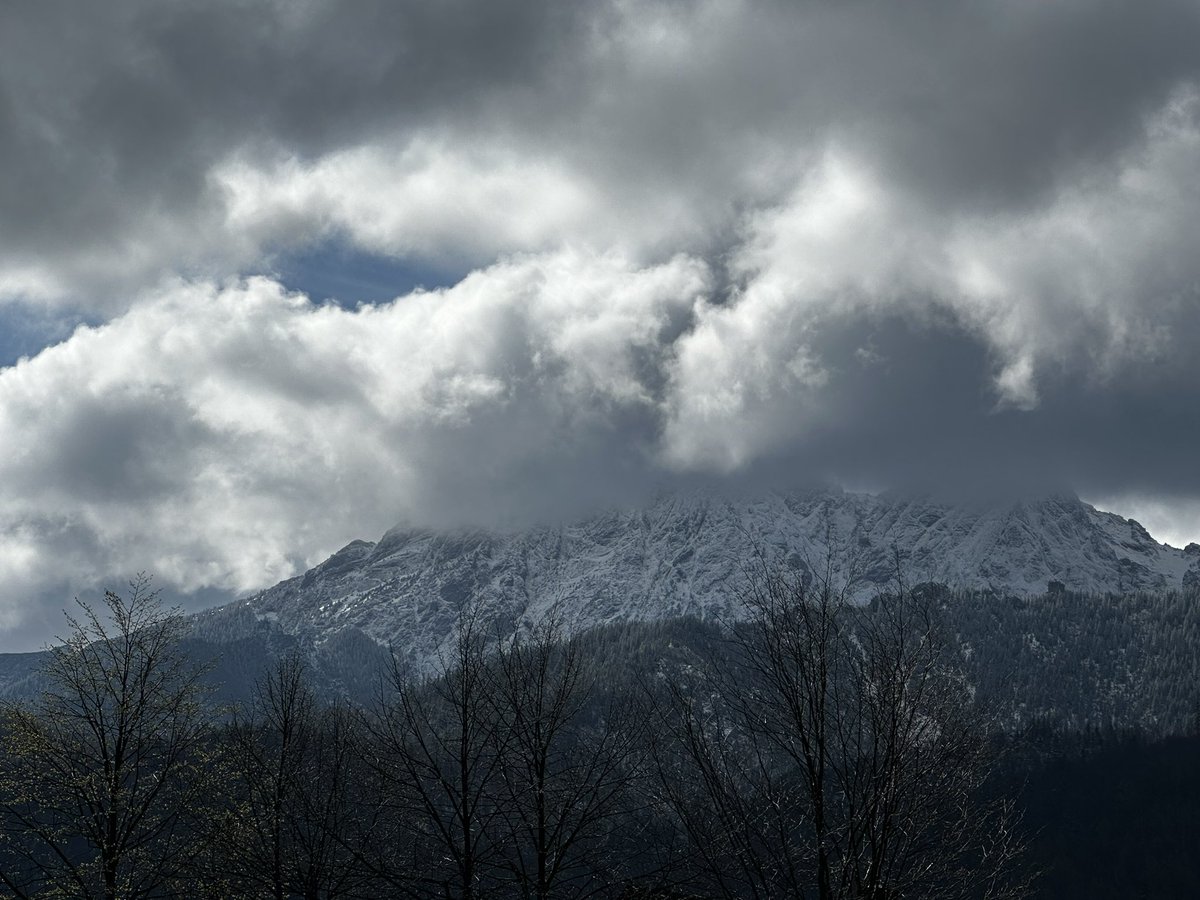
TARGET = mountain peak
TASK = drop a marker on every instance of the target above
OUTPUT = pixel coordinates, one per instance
(685, 554)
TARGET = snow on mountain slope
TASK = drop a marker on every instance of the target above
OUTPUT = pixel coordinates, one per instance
(687, 553)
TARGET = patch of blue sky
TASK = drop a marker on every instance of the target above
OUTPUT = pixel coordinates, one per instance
(26, 330)
(333, 271)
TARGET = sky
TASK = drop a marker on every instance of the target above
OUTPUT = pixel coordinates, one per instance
(279, 275)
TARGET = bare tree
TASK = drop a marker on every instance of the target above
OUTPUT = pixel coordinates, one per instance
(566, 767)
(298, 822)
(100, 774)
(436, 749)
(837, 754)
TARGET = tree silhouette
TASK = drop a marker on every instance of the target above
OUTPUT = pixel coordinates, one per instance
(834, 752)
(101, 773)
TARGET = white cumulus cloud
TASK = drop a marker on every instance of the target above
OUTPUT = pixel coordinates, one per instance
(226, 436)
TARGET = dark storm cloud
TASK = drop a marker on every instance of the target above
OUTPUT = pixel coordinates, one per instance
(125, 451)
(989, 104)
(116, 115)
(996, 103)
(937, 243)
(912, 404)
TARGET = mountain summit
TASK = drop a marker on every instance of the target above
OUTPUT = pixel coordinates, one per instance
(686, 554)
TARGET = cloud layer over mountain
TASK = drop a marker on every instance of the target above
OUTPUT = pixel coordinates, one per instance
(933, 243)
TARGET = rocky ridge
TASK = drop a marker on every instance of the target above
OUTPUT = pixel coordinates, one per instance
(686, 554)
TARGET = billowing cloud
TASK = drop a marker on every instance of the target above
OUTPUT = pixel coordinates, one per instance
(225, 436)
(1097, 279)
(658, 122)
(875, 242)
(426, 200)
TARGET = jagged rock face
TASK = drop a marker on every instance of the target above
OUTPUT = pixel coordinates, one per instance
(687, 554)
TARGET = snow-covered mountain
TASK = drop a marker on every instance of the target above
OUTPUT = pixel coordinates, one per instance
(688, 553)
